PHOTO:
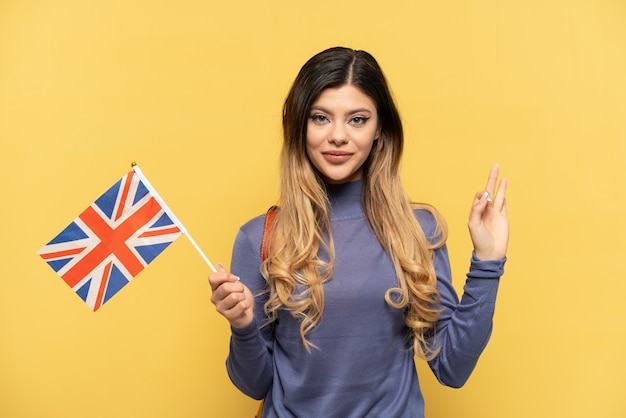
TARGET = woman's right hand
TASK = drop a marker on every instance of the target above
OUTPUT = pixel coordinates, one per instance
(232, 299)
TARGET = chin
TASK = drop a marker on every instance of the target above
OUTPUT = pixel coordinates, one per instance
(339, 179)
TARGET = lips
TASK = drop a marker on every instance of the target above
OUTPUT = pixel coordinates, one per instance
(336, 157)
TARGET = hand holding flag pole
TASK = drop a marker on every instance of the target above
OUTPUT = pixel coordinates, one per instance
(169, 212)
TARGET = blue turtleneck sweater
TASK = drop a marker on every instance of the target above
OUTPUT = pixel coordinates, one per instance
(363, 365)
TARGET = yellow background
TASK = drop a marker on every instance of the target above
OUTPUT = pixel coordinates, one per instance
(192, 90)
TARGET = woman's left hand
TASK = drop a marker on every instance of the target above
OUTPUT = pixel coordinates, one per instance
(488, 223)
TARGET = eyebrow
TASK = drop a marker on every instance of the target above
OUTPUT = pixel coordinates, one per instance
(351, 112)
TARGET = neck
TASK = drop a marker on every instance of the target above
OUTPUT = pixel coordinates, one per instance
(345, 200)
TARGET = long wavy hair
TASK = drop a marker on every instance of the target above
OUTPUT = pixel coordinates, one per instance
(294, 273)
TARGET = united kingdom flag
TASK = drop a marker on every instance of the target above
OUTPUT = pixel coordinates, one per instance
(111, 241)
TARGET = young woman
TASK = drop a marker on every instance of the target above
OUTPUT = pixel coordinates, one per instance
(357, 279)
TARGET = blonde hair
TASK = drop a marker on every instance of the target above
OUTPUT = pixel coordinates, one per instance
(294, 273)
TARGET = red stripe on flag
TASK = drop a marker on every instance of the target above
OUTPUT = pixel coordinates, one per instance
(60, 254)
(124, 196)
(103, 286)
(172, 230)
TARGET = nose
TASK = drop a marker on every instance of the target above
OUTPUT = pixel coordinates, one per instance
(338, 134)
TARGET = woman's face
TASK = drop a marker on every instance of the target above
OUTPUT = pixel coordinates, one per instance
(341, 130)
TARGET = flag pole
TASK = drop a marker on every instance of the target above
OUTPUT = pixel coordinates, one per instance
(169, 212)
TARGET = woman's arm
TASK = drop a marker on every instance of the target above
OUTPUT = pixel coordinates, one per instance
(464, 327)
(249, 363)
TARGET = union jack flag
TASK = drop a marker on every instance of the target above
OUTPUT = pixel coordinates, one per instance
(112, 240)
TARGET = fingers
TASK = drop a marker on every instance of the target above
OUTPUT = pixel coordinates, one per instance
(489, 198)
(229, 296)
(226, 289)
(220, 277)
(500, 200)
(488, 223)
(492, 180)
(481, 200)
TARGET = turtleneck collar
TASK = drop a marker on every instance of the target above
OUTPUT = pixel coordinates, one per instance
(345, 200)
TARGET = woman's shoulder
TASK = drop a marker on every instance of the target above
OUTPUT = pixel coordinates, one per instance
(254, 227)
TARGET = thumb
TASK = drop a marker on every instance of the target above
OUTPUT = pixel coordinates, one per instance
(221, 276)
(229, 276)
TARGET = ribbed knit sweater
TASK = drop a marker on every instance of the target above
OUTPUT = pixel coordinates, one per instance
(363, 366)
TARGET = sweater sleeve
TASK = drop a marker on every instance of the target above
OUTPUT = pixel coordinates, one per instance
(249, 362)
(464, 327)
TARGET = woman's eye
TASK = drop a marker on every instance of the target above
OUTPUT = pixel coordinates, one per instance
(319, 119)
(359, 120)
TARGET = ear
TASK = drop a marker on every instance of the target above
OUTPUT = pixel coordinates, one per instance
(378, 132)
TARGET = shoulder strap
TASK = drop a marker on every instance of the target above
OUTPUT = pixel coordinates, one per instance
(266, 242)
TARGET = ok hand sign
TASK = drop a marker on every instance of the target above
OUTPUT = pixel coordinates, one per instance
(488, 223)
